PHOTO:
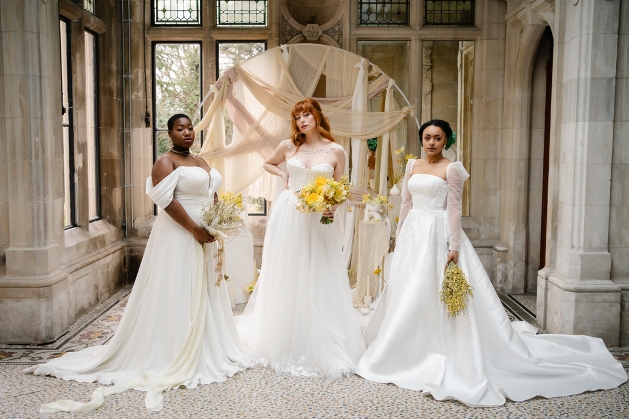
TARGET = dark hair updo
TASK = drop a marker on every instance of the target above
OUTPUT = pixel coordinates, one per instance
(445, 127)
(172, 119)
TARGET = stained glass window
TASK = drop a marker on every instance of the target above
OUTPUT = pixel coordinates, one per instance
(448, 13)
(383, 12)
(241, 12)
(176, 12)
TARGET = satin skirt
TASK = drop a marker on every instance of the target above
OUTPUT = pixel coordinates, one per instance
(300, 319)
(479, 358)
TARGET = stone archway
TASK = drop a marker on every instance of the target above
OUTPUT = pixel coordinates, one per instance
(526, 26)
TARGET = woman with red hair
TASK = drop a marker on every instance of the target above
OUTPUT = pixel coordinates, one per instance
(300, 318)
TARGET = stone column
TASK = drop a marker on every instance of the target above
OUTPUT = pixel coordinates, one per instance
(32, 142)
(619, 211)
(577, 294)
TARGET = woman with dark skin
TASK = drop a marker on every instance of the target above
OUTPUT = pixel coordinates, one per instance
(182, 135)
(177, 328)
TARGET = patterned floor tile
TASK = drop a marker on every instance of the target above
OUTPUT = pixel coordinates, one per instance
(260, 393)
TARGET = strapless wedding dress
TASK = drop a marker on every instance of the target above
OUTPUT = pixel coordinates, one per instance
(300, 318)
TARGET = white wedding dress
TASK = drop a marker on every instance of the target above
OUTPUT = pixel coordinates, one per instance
(300, 318)
(479, 358)
(178, 327)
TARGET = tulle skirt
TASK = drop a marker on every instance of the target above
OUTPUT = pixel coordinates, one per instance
(300, 318)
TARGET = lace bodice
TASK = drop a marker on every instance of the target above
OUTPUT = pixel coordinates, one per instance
(299, 175)
(428, 192)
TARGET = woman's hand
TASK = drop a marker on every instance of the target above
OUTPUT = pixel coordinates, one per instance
(202, 236)
(453, 256)
(330, 213)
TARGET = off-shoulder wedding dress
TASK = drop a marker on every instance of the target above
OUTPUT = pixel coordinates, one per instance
(178, 327)
(479, 358)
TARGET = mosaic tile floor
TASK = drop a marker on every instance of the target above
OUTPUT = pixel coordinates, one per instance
(260, 393)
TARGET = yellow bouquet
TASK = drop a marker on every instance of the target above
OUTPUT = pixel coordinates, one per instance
(322, 195)
(222, 219)
(402, 159)
(454, 290)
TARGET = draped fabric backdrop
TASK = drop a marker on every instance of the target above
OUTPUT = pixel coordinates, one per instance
(258, 95)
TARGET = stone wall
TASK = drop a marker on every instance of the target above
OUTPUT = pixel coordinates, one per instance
(49, 275)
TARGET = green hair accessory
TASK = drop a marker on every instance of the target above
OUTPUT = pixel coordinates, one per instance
(372, 144)
(451, 141)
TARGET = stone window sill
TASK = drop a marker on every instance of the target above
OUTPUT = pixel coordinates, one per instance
(79, 241)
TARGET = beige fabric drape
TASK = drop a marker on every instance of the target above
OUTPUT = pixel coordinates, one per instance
(258, 95)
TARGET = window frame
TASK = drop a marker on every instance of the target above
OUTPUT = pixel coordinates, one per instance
(241, 25)
(156, 24)
(229, 41)
(89, 6)
(154, 127)
(383, 24)
(96, 130)
(447, 25)
(70, 124)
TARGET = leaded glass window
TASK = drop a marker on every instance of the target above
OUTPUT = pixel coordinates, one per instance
(176, 12)
(383, 12)
(89, 5)
(67, 121)
(448, 13)
(241, 12)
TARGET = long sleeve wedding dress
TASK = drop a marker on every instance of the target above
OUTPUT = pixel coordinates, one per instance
(479, 358)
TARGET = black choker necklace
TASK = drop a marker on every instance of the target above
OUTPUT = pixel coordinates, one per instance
(183, 153)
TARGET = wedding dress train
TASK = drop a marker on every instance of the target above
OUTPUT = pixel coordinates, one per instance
(479, 358)
(178, 327)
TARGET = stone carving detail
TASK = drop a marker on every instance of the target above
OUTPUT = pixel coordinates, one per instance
(288, 31)
(336, 32)
(427, 81)
(536, 12)
(312, 32)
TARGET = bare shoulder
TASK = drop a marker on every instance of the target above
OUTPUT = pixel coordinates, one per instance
(286, 145)
(337, 149)
(162, 168)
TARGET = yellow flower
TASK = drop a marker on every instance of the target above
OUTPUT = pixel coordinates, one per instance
(397, 219)
(454, 290)
(377, 271)
(312, 198)
(249, 287)
(320, 181)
